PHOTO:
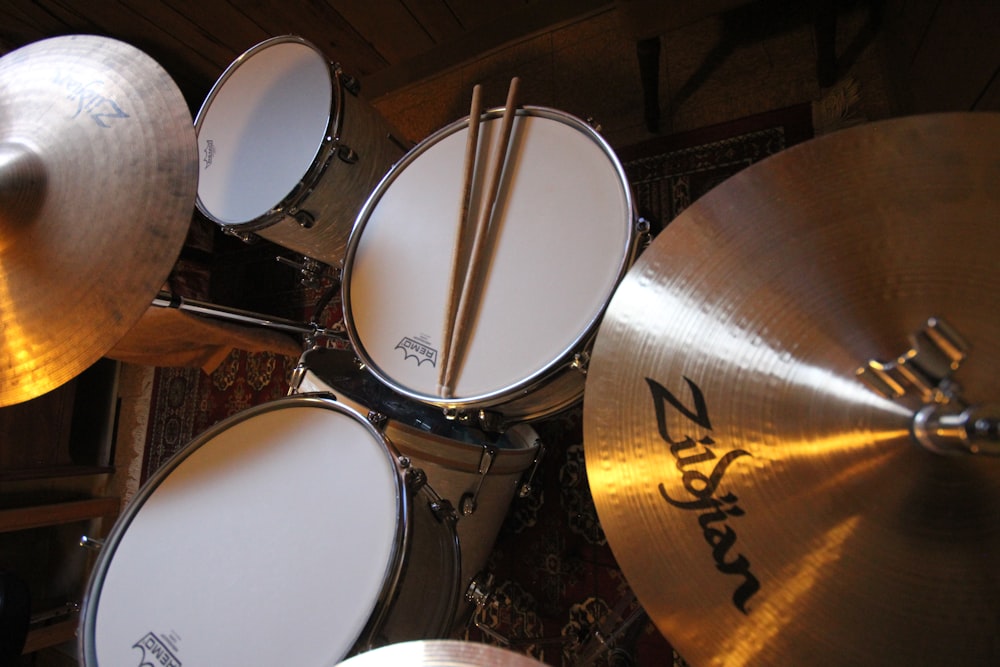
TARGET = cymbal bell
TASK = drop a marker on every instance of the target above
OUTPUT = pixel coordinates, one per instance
(786, 398)
(440, 653)
(98, 171)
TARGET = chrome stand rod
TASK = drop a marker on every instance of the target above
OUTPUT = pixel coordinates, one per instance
(167, 300)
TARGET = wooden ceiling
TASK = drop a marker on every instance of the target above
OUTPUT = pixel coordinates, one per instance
(385, 43)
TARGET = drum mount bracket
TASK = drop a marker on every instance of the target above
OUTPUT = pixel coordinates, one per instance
(311, 270)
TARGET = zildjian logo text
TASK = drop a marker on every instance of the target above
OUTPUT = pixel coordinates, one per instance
(99, 108)
(713, 511)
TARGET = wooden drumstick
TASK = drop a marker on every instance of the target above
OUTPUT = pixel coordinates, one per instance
(457, 267)
(472, 286)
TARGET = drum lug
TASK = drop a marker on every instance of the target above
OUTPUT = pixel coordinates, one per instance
(581, 360)
(305, 219)
(441, 508)
(347, 154)
(350, 83)
(469, 501)
(415, 478)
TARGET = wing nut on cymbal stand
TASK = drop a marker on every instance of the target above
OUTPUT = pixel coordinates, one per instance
(974, 430)
(945, 424)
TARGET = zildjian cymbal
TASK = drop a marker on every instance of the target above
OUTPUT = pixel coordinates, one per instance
(440, 653)
(98, 172)
(791, 398)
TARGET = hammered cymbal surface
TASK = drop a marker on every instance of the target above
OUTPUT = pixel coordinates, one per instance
(98, 173)
(765, 505)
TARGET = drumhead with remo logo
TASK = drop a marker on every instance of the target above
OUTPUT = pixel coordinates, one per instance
(266, 541)
(563, 238)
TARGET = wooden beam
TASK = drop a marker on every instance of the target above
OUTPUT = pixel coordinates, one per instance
(53, 514)
(51, 635)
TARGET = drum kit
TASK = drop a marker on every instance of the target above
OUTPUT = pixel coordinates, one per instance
(790, 417)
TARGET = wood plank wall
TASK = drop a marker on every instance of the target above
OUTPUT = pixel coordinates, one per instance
(195, 40)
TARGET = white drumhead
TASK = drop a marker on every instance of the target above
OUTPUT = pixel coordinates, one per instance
(268, 544)
(560, 248)
(261, 128)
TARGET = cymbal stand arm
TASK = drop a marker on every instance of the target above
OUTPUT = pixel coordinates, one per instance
(602, 637)
(309, 330)
(974, 430)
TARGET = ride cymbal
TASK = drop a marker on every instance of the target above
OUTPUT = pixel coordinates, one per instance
(440, 653)
(785, 398)
(98, 173)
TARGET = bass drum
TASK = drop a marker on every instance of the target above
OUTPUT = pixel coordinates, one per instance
(479, 473)
(285, 535)
(563, 236)
(288, 151)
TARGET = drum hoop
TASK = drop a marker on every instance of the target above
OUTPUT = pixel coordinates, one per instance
(566, 357)
(395, 567)
(324, 152)
(447, 452)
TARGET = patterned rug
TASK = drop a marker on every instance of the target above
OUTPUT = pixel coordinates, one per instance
(557, 592)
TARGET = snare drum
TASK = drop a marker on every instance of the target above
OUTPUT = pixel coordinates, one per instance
(563, 236)
(480, 474)
(287, 151)
(284, 535)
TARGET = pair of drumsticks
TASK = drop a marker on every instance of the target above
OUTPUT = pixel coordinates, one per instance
(466, 287)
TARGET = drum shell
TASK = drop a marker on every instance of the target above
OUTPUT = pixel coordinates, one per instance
(316, 216)
(453, 471)
(334, 202)
(418, 588)
(450, 454)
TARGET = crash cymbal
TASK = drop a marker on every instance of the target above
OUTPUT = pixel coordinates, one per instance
(440, 653)
(756, 385)
(98, 172)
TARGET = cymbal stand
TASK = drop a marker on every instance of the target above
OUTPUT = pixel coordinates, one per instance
(312, 272)
(611, 628)
(602, 638)
(309, 330)
(480, 594)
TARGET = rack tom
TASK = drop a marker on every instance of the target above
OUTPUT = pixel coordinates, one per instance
(289, 150)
